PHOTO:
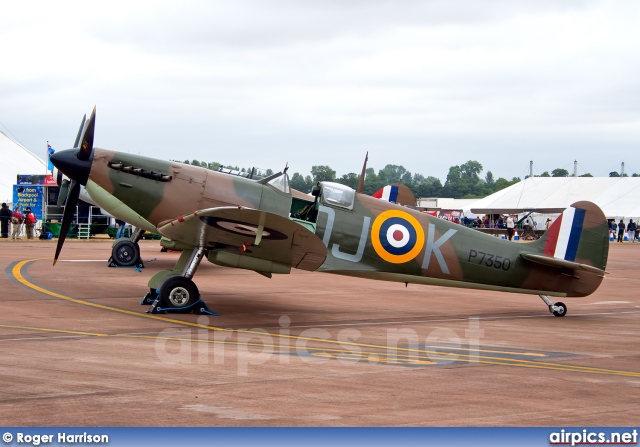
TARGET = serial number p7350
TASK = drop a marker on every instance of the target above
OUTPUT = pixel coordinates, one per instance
(489, 260)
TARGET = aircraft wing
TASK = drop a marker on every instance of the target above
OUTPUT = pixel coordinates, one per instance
(254, 233)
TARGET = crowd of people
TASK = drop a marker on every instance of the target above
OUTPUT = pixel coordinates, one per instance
(501, 222)
(13, 222)
(509, 222)
(618, 230)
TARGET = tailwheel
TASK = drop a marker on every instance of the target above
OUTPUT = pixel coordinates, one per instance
(178, 293)
(559, 309)
(125, 253)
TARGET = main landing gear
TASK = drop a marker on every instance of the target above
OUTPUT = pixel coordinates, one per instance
(174, 290)
(558, 309)
(126, 252)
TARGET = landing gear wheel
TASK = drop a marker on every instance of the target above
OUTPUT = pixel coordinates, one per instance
(125, 253)
(559, 309)
(178, 293)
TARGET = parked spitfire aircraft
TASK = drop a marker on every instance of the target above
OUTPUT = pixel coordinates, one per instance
(260, 226)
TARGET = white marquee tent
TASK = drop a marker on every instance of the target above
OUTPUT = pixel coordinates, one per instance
(619, 197)
(16, 159)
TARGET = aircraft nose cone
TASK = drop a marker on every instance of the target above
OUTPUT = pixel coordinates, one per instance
(68, 162)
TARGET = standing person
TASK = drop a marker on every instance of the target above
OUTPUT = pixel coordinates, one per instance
(511, 225)
(16, 223)
(29, 222)
(547, 224)
(5, 215)
(631, 230)
(121, 225)
(620, 230)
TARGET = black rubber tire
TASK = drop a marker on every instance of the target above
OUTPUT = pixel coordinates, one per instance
(125, 253)
(562, 312)
(178, 292)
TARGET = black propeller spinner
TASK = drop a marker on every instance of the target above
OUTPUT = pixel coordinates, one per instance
(76, 164)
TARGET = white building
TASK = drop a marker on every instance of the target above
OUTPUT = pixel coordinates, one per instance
(618, 197)
(16, 159)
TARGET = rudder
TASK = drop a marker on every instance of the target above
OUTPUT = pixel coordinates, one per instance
(580, 234)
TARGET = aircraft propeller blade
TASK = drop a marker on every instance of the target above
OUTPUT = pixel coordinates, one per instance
(64, 192)
(84, 118)
(76, 164)
(61, 180)
(69, 211)
(86, 140)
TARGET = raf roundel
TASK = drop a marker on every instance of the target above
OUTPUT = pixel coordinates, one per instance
(397, 237)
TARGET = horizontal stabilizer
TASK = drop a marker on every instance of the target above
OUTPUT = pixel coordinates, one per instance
(561, 263)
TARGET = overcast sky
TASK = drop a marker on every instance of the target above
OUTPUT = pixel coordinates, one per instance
(423, 84)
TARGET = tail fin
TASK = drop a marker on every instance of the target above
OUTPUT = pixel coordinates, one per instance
(580, 235)
(396, 193)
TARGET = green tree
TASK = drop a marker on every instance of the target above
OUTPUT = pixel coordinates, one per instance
(417, 179)
(372, 182)
(464, 181)
(545, 174)
(428, 187)
(586, 175)
(300, 183)
(617, 174)
(351, 180)
(559, 172)
(471, 169)
(490, 181)
(394, 174)
(503, 183)
(323, 173)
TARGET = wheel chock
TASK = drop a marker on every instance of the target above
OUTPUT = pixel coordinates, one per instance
(198, 308)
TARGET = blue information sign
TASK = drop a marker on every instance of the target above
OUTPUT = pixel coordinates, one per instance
(29, 196)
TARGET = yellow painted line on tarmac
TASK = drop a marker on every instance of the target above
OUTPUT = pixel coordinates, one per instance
(358, 356)
(490, 351)
(17, 273)
(445, 356)
(63, 331)
(395, 358)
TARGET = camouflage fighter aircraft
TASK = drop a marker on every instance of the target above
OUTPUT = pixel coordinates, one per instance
(266, 227)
